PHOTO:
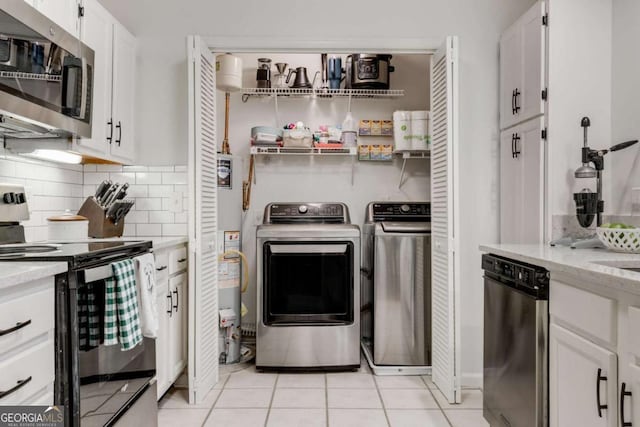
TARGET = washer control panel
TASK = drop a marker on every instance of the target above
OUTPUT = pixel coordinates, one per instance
(399, 211)
(306, 212)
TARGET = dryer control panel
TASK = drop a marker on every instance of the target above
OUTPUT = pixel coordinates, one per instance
(284, 213)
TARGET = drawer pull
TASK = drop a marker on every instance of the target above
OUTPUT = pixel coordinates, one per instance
(182, 260)
(598, 404)
(164, 267)
(15, 328)
(18, 386)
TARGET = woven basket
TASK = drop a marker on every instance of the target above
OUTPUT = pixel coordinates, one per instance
(620, 239)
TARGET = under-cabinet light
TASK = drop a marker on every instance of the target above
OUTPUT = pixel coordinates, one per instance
(56, 156)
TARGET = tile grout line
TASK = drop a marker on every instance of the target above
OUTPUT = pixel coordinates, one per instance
(384, 407)
(273, 394)
(444, 414)
(326, 399)
(215, 401)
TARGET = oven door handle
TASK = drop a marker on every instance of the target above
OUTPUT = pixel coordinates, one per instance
(308, 249)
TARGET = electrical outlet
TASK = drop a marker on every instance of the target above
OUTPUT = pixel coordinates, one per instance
(175, 202)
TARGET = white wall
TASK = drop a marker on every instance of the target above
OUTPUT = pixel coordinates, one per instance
(161, 91)
(579, 85)
(622, 169)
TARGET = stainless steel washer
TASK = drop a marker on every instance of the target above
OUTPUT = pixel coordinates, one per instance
(308, 263)
(396, 292)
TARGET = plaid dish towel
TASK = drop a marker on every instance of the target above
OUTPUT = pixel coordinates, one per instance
(89, 316)
(121, 318)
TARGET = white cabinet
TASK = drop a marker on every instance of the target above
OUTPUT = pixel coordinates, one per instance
(583, 381)
(27, 367)
(171, 343)
(65, 13)
(593, 354)
(523, 68)
(112, 135)
(522, 183)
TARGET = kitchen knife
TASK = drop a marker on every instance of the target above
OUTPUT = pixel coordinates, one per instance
(106, 200)
(112, 212)
(123, 210)
(104, 186)
(107, 194)
(122, 192)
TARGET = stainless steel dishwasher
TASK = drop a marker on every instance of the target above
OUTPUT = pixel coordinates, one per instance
(516, 318)
(396, 295)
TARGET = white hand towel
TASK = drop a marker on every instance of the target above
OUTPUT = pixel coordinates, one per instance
(146, 280)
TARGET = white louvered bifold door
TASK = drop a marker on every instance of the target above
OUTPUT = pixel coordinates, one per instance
(444, 221)
(203, 223)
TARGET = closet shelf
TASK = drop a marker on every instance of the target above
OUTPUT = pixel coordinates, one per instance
(295, 151)
(30, 76)
(320, 93)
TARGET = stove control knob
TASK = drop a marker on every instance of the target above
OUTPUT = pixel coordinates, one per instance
(405, 208)
(9, 198)
(303, 209)
(20, 198)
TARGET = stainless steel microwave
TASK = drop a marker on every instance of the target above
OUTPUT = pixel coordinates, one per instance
(46, 76)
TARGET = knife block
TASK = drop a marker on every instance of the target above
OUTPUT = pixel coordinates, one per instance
(99, 225)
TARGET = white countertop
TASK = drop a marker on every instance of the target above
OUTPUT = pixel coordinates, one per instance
(17, 273)
(589, 264)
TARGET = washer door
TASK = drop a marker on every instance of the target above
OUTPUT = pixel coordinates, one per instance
(308, 283)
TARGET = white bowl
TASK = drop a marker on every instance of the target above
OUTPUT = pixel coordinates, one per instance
(620, 239)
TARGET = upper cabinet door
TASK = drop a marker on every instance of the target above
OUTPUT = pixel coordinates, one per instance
(522, 188)
(124, 70)
(97, 33)
(523, 68)
(62, 12)
(510, 72)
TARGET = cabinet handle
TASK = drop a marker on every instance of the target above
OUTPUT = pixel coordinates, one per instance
(516, 152)
(600, 406)
(110, 137)
(119, 127)
(181, 260)
(624, 393)
(170, 310)
(176, 304)
(513, 102)
(164, 267)
(15, 328)
(517, 94)
(19, 385)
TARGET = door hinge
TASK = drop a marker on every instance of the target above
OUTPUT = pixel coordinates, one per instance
(544, 94)
(80, 11)
(545, 19)
(543, 134)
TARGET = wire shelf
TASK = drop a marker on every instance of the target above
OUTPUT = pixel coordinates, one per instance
(296, 151)
(413, 154)
(30, 76)
(320, 93)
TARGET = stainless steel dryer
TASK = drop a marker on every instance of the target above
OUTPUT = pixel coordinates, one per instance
(308, 263)
(396, 287)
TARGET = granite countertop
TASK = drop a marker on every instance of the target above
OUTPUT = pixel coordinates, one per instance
(599, 265)
(17, 273)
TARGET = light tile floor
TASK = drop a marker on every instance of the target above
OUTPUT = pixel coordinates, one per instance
(248, 398)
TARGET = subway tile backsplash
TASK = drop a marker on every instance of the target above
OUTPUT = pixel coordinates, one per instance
(159, 192)
(51, 189)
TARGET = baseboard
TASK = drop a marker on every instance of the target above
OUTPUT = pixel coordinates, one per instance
(471, 380)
